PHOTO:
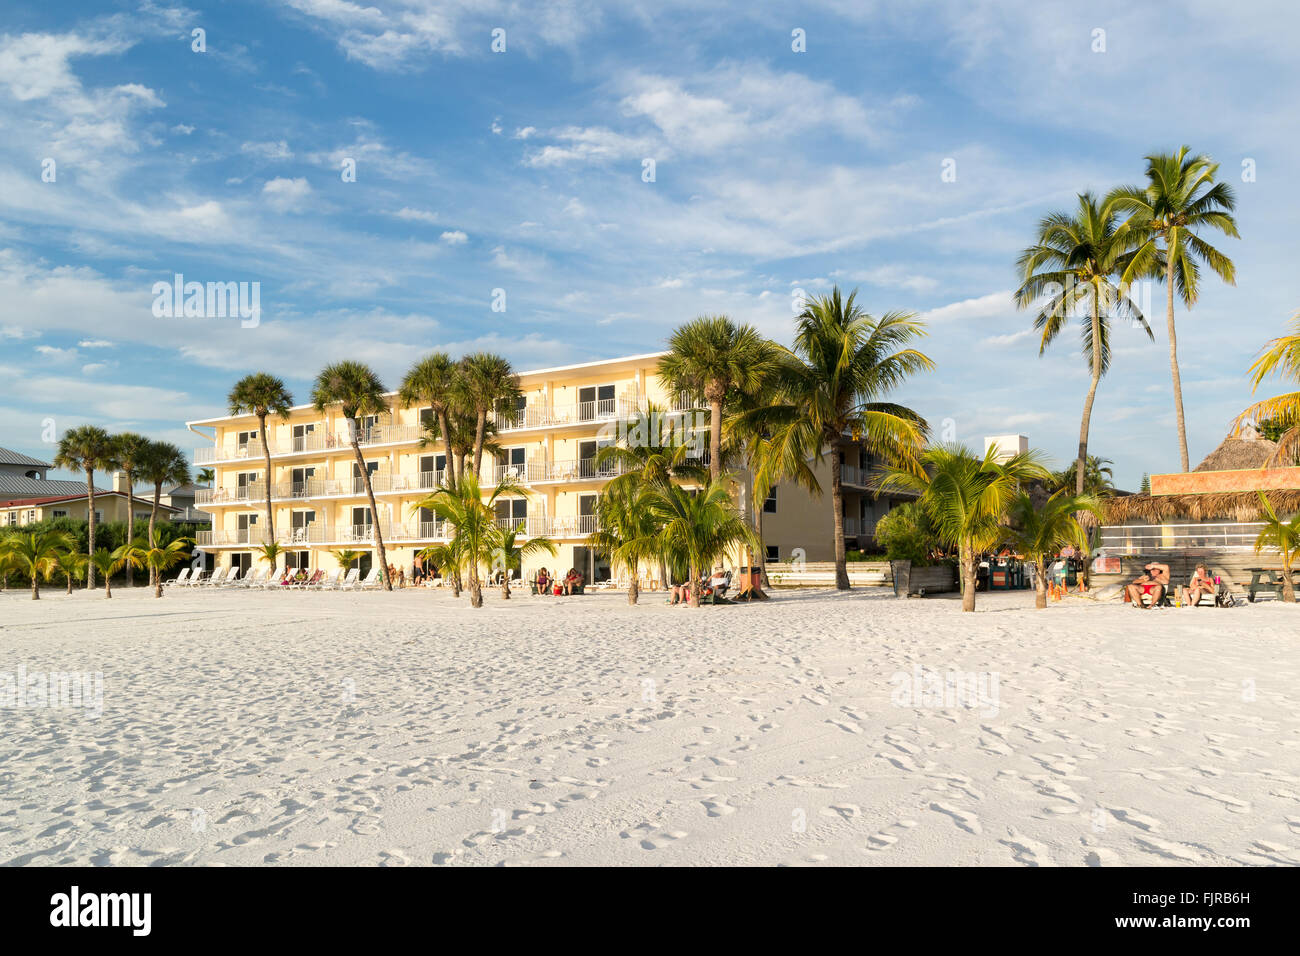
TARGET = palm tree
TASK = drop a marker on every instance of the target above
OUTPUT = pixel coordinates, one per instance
(270, 553)
(1098, 478)
(1281, 357)
(72, 564)
(627, 531)
(710, 356)
(1039, 533)
(449, 561)
(106, 563)
(87, 448)
(509, 552)
(473, 523)
(432, 381)
(131, 451)
(161, 557)
(966, 498)
(163, 464)
(1181, 201)
(487, 383)
(262, 394)
(206, 476)
(829, 388)
(1285, 537)
(130, 555)
(34, 553)
(346, 557)
(699, 525)
(358, 391)
(1071, 266)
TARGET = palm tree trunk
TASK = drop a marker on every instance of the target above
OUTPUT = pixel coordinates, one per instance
(633, 590)
(1040, 584)
(715, 438)
(968, 576)
(762, 548)
(693, 571)
(837, 504)
(266, 456)
(374, 513)
(1173, 362)
(36, 587)
(90, 526)
(449, 465)
(1082, 462)
(153, 516)
(130, 523)
(505, 585)
(108, 585)
(475, 586)
(1288, 586)
(756, 587)
(479, 428)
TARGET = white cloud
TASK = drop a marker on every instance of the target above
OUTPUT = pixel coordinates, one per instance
(287, 195)
(454, 238)
(589, 145)
(270, 151)
(95, 344)
(183, 129)
(525, 132)
(418, 215)
(991, 306)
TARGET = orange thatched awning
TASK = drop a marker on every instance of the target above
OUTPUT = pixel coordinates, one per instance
(1214, 506)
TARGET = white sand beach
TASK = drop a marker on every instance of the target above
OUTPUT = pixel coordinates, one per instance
(408, 729)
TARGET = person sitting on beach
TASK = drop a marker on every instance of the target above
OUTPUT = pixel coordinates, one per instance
(680, 592)
(572, 580)
(1202, 583)
(1152, 582)
(542, 581)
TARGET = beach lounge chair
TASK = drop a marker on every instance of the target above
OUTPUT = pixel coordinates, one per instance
(179, 579)
(372, 580)
(232, 579)
(350, 581)
(331, 582)
(218, 576)
(195, 579)
(253, 578)
(311, 581)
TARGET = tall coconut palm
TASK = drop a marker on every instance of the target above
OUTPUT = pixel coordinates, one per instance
(627, 531)
(699, 525)
(1070, 270)
(357, 390)
(830, 387)
(206, 476)
(163, 464)
(487, 383)
(34, 553)
(1285, 537)
(1180, 203)
(473, 524)
(967, 498)
(87, 448)
(509, 548)
(432, 381)
(131, 452)
(1281, 357)
(1040, 533)
(710, 356)
(262, 395)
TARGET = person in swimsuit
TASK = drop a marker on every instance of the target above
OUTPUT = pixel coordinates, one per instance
(1202, 583)
(1152, 582)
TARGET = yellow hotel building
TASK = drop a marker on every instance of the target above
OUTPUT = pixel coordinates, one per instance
(567, 413)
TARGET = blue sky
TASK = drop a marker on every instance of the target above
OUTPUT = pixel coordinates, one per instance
(522, 171)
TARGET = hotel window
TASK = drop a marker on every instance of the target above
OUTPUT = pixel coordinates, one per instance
(512, 510)
(243, 438)
(300, 481)
(514, 462)
(773, 553)
(59, 514)
(301, 436)
(595, 401)
(299, 522)
(769, 506)
(297, 559)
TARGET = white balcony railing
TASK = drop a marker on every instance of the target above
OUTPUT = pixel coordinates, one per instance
(542, 416)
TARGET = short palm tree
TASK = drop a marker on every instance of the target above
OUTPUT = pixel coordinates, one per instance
(449, 561)
(34, 553)
(697, 526)
(346, 557)
(627, 531)
(710, 356)
(131, 452)
(270, 553)
(473, 524)
(487, 383)
(1281, 357)
(1283, 536)
(1071, 270)
(130, 555)
(432, 381)
(1040, 533)
(87, 448)
(651, 445)
(162, 464)
(1180, 203)
(830, 386)
(509, 547)
(967, 498)
(72, 565)
(159, 558)
(357, 390)
(262, 395)
(106, 563)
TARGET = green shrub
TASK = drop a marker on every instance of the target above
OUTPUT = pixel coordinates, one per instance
(907, 535)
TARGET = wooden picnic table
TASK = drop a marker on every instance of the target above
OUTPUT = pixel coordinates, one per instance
(1266, 579)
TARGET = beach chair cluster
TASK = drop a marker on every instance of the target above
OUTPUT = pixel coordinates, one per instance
(268, 579)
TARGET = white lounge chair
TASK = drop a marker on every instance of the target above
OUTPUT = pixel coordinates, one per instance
(179, 579)
(232, 579)
(218, 576)
(254, 578)
(373, 580)
(352, 582)
(332, 583)
(195, 579)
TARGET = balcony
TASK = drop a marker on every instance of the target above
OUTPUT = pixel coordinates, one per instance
(317, 441)
(550, 416)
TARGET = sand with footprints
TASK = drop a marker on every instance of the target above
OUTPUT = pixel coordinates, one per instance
(408, 729)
